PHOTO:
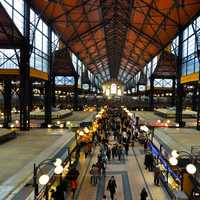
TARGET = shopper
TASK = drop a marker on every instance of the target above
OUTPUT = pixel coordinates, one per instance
(151, 162)
(156, 175)
(126, 148)
(73, 185)
(145, 144)
(59, 194)
(143, 194)
(146, 160)
(52, 195)
(108, 153)
(112, 187)
(92, 171)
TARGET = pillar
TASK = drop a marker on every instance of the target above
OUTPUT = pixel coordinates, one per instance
(139, 97)
(75, 100)
(90, 87)
(53, 92)
(198, 105)
(31, 94)
(179, 89)
(7, 102)
(173, 92)
(48, 84)
(194, 97)
(24, 93)
(151, 100)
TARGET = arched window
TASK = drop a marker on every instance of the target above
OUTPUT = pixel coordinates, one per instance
(113, 89)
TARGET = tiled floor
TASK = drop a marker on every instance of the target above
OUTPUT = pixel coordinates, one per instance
(18, 155)
(178, 138)
(151, 117)
(130, 176)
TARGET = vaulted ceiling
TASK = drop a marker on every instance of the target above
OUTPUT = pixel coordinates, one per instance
(116, 38)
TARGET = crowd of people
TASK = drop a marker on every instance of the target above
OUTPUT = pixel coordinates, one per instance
(117, 132)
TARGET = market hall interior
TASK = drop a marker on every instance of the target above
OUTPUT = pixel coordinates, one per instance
(99, 99)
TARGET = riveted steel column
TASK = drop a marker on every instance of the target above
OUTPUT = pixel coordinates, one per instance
(75, 100)
(24, 93)
(179, 90)
(48, 84)
(151, 100)
(7, 102)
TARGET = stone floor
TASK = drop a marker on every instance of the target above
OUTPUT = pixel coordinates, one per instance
(150, 117)
(178, 138)
(174, 138)
(130, 176)
(75, 118)
(18, 155)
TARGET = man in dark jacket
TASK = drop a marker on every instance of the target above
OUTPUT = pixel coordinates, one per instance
(112, 187)
(143, 194)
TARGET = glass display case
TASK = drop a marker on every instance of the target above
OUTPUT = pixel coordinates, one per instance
(170, 179)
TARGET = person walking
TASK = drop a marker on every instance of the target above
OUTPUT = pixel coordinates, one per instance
(119, 152)
(108, 153)
(126, 148)
(112, 187)
(151, 162)
(145, 145)
(113, 151)
(146, 160)
(143, 194)
(156, 175)
(73, 185)
(92, 177)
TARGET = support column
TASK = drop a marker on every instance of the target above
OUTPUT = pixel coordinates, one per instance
(179, 90)
(137, 92)
(151, 100)
(24, 93)
(89, 90)
(31, 95)
(7, 102)
(198, 105)
(173, 92)
(53, 92)
(75, 102)
(194, 98)
(48, 83)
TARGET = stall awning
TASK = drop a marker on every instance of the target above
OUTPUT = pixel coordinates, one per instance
(85, 79)
(10, 36)
(166, 66)
(143, 79)
(62, 63)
